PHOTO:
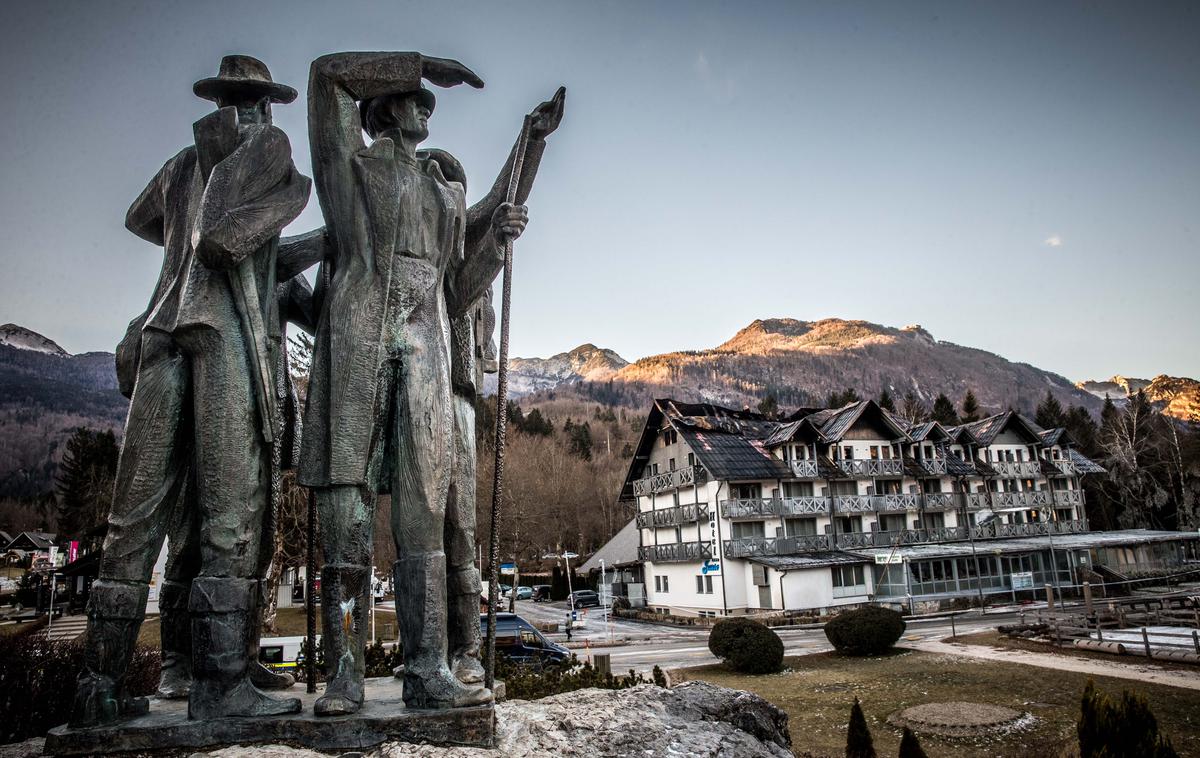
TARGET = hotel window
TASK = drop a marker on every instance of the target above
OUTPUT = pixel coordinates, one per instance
(874, 452)
(670, 464)
(800, 527)
(848, 577)
(848, 452)
(704, 584)
(747, 529)
(797, 489)
(658, 584)
(691, 459)
(745, 491)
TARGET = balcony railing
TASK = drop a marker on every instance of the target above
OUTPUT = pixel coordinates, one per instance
(746, 547)
(933, 466)
(853, 504)
(896, 502)
(670, 480)
(1068, 497)
(1021, 499)
(779, 506)
(675, 552)
(870, 467)
(941, 501)
(805, 469)
(1068, 468)
(679, 514)
(1017, 468)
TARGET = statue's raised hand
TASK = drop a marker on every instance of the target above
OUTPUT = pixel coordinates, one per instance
(548, 115)
(445, 72)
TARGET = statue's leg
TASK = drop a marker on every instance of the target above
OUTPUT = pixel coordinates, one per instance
(150, 473)
(260, 675)
(462, 577)
(347, 518)
(233, 481)
(421, 441)
(175, 626)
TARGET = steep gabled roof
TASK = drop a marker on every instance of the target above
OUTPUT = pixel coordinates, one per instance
(622, 549)
(732, 456)
(1084, 464)
(986, 430)
(928, 430)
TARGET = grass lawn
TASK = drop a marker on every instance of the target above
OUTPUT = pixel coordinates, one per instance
(817, 691)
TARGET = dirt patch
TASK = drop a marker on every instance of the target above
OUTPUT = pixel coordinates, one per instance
(958, 719)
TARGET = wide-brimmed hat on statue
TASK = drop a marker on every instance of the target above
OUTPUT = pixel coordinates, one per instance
(425, 96)
(242, 76)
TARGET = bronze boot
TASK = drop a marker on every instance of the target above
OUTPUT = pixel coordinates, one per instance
(421, 610)
(175, 627)
(261, 676)
(463, 636)
(115, 613)
(343, 623)
(224, 615)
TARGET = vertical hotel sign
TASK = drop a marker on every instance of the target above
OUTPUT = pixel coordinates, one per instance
(712, 566)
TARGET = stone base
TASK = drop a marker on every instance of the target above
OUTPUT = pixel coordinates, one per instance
(383, 718)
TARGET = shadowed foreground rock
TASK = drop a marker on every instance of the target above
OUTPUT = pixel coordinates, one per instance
(694, 719)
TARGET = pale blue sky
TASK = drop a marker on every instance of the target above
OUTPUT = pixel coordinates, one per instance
(1020, 177)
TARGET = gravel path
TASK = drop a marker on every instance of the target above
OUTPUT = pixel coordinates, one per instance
(1120, 670)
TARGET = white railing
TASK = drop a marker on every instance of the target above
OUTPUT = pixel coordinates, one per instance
(853, 504)
(745, 547)
(941, 500)
(896, 502)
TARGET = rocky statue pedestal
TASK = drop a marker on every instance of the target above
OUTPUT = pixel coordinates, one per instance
(383, 718)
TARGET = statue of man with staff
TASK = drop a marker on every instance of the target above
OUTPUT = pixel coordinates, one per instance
(379, 415)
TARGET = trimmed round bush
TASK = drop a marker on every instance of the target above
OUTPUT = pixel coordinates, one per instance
(746, 646)
(865, 631)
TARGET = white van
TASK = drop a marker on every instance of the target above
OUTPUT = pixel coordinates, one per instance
(281, 653)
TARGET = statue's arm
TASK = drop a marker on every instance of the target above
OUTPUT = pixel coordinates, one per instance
(147, 214)
(544, 120)
(300, 253)
(468, 282)
(479, 215)
(250, 196)
(296, 304)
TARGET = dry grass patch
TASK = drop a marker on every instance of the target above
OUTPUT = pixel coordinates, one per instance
(817, 690)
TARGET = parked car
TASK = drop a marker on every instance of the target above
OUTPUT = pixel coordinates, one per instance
(523, 593)
(521, 642)
(584, 599)
(541, 593)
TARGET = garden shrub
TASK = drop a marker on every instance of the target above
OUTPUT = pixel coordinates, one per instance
(746, 646)
(37, 682)
(865, 631)
(1124, 728)
(533, 682)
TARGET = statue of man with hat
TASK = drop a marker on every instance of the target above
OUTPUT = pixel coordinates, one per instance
(203, 412)
(407, 257)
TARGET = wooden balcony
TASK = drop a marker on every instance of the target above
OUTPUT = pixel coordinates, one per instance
(1068, 468)
(751, 508)
(1017, 468)
(670, 480)
(748, 547)
(896, 502)
(853, 504)
(933, 466)
(942, 501)
(680, 514)
(867, 468)
(805, 469)
(675, 552)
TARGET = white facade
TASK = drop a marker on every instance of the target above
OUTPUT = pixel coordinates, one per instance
(738, 514)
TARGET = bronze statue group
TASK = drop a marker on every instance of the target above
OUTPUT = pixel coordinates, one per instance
(402, 322)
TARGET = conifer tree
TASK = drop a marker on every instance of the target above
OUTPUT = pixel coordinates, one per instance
(1124, 728)
(886, 402)
(1049, 414)
(970, 408)
(858, 736)
(943, 411)
(769, 406)
(85, 481)
(910, 746)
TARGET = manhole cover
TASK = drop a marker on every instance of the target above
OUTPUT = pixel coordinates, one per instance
(956, 719)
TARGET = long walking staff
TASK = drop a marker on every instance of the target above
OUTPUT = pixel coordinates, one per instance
(310, 600)
(514, 180)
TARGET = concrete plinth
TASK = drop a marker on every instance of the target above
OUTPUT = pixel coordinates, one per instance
(383, 718)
